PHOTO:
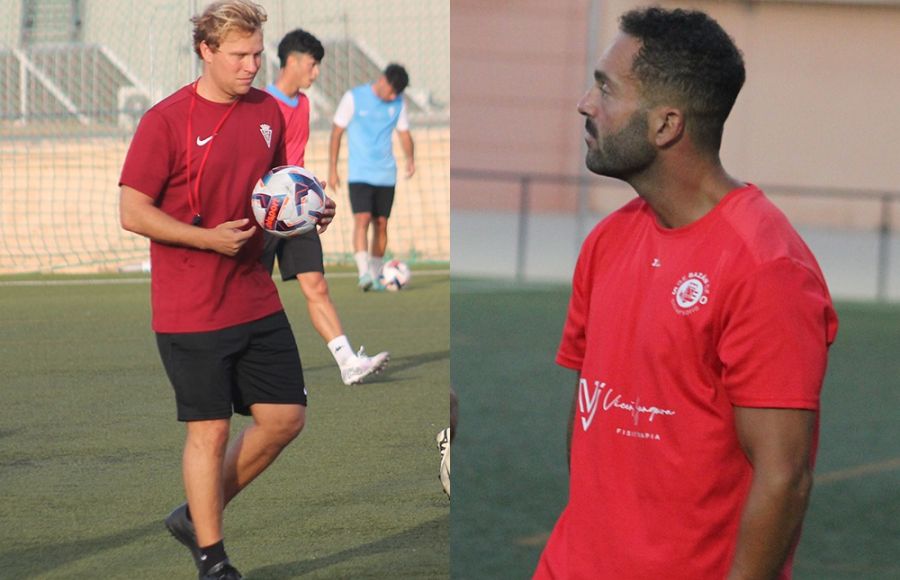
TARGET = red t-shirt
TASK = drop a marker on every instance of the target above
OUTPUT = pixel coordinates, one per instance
(194, 290)
(296, 128)
(669, 329)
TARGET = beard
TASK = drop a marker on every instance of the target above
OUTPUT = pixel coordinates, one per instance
(623, 154)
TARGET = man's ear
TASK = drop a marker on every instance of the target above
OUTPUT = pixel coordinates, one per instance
(206, 52)
(666, 125)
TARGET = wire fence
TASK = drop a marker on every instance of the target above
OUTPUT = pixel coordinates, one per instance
(535, 224)
(76, 76)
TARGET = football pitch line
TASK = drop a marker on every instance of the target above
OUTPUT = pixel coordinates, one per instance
(858, 471)
(146, 280)
(78, 282)
(537, 540)
(493, 285)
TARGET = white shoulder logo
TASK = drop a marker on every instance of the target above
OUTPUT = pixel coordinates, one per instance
(267, 134)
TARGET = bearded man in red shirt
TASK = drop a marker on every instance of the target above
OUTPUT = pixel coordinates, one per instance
(699, 324)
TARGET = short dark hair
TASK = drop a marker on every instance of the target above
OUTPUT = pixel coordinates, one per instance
(688, 59)
(396, 77)
(300, 41)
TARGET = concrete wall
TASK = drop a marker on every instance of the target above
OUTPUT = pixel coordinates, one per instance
(517, 68)
(153, 37)
(415, 33)
(412, 32)
(819, 107)
(10, 20)
(819, 111)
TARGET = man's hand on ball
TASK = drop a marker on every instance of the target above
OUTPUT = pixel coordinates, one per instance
(327, 213)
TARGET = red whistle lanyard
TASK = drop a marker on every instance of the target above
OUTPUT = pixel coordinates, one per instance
(194, 193)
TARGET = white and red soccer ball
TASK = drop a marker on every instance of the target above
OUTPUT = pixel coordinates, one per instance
(288, 201)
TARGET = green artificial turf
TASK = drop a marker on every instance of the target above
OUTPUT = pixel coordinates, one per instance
(510, 479)
(90, 448)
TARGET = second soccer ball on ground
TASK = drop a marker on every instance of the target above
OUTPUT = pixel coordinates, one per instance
(395, 275)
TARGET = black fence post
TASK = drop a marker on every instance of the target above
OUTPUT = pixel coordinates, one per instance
(884, 249)
(524, 211)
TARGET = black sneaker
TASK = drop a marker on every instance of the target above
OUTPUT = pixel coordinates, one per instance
(182, 529)
(222, 571)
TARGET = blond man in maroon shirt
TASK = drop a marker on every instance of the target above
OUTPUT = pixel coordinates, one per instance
(223, 337)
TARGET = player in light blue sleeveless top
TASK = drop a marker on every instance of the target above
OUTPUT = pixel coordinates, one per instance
(369, 114)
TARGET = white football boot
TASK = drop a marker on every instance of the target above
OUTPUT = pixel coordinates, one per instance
(443, 443)
(362, 366)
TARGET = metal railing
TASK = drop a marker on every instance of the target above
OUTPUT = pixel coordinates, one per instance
(526, 181)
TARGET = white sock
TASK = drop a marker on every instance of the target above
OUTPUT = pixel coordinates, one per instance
(341, 350)
(376, 265)
(362, 262)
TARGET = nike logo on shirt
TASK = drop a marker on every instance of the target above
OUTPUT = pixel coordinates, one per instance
(202, 142)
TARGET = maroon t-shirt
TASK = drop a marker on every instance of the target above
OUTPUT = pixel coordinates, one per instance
(197, 290)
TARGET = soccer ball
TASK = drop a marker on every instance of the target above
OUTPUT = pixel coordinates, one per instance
(288, 201)
(395, 275)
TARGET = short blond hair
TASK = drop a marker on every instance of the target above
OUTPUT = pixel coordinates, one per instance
(220, 18)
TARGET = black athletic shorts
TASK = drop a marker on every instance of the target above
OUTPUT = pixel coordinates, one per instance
(296, 255)
(223, 371)
(374, 199)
